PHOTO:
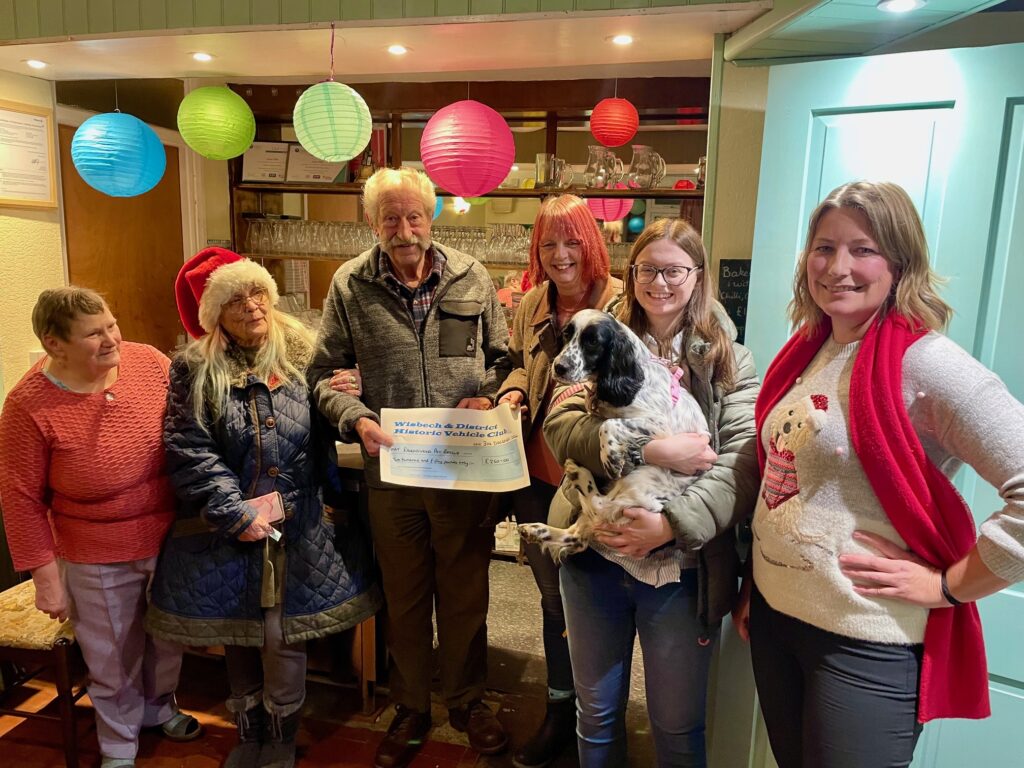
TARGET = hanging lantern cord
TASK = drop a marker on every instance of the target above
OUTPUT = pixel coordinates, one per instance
(117, 107)
(616, 95)
(331, 78)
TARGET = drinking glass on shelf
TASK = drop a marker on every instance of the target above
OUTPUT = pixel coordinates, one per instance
(291, 236)
(300, 237)
(252, 236)
(276, 236)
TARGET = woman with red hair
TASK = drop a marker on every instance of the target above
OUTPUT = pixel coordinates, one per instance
(569, 272)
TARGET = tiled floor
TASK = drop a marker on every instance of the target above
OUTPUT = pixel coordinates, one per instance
(334, 731)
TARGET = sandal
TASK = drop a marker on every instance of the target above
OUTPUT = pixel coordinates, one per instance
(181, 727)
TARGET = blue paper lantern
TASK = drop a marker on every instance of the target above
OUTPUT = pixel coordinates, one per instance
(118, 155)
(438, 207)
(635, 224)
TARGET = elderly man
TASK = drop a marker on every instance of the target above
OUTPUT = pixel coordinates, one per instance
(424, 325)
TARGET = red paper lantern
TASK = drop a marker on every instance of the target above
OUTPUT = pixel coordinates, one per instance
(610, 208)
(467, 148)
(614, 122)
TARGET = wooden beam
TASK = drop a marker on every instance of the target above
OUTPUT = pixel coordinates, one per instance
(275, 103)
(396, 140)
(551, 134)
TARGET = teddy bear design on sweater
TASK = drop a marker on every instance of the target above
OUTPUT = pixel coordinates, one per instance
(790, 432)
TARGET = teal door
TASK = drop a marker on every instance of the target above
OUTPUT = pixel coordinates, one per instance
(949, 127)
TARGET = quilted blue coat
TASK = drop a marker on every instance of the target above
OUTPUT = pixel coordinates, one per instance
(210, 588)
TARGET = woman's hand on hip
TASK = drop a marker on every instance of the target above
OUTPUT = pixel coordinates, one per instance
(642, 532)
(51, 596)
(894, 573)
(347, 381)
(741, 611)
(686, 453)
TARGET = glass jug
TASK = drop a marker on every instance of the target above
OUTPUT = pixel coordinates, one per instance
(646, 169)
(603, 168)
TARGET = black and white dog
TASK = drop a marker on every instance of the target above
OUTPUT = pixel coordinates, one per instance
(639, 398)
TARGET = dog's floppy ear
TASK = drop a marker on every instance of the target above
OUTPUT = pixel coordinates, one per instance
(620, 377)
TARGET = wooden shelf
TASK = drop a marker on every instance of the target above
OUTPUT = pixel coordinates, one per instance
(504, 265)
(356, 188)
(299, 256)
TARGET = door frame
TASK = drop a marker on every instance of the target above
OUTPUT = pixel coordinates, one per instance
(193, 226)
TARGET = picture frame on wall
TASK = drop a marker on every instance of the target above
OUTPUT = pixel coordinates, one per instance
(28, 175)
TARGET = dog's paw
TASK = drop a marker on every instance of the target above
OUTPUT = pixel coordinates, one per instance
(535, 533)
(580, 478)
(564, 547)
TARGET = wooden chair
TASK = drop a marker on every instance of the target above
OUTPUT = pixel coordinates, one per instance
(31, 642)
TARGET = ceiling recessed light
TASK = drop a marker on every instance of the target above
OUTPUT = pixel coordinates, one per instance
(36, 63)
(622, 39)
(397, 50)
(900, 6)
(200, 56)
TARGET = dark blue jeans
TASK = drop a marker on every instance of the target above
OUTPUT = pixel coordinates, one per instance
(605, 609)
(830, 701)
(531, 506)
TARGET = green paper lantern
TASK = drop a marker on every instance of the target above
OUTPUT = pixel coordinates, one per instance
(476, 200)
(639, 206)
(332, 122)
(216, 122)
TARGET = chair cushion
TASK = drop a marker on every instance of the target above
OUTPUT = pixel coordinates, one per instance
(22, 625)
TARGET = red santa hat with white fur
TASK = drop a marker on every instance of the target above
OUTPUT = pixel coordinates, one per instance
(209, 280)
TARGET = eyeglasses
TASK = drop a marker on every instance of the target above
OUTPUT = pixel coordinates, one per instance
(673, 275)
(239, 304)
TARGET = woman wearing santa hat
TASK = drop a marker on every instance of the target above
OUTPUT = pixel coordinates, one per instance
(251, 563)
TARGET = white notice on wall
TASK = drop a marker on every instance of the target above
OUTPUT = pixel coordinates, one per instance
(265, 161)
(302, 166)
(26, 174)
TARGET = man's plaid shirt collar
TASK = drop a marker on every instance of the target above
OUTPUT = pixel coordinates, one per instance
(439, 261)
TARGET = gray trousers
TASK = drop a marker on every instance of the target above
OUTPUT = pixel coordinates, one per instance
(132, 675)
(274, 674)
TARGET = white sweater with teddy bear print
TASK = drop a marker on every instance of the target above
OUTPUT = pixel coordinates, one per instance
(815, 494)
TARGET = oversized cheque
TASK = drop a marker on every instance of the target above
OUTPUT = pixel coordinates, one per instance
(454, 448)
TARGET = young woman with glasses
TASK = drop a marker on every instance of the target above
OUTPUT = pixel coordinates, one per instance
(612, 593)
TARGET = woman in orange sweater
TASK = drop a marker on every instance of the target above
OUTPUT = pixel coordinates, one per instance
(87, 505)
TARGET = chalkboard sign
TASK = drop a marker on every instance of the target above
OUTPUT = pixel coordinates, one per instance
(733, 287)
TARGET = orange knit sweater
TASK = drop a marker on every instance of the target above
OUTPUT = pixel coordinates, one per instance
(83, 474)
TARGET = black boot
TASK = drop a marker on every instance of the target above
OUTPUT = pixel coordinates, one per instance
(250, 738)
(556, 733)
(279, 741)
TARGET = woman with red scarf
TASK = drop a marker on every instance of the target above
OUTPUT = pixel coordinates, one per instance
(866, 562)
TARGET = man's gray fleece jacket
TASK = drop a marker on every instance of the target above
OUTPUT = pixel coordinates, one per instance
(460, 352)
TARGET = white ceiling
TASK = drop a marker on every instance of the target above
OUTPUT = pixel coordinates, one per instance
(667, 42)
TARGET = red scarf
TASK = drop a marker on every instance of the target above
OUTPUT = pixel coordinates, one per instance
(921, 502)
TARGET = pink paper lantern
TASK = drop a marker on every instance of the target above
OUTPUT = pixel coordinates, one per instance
(614, 122)
(610, 208)
(467, 148)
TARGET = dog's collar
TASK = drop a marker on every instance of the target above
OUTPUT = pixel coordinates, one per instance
(565, 394)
